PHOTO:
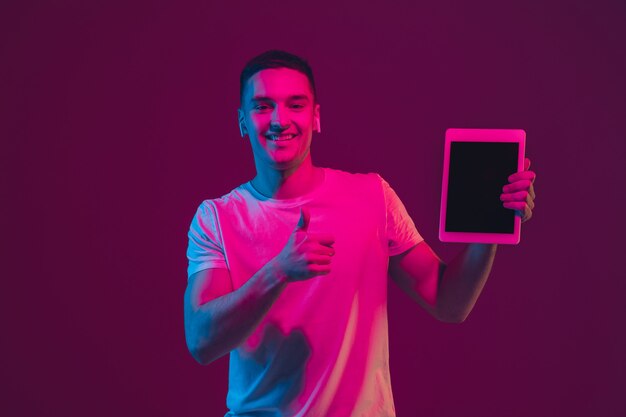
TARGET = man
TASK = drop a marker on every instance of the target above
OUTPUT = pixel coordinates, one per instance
(288, 272)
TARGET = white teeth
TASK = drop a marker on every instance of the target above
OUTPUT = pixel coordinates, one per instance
(277, 138)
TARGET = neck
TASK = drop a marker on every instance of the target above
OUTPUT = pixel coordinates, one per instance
(290, 183)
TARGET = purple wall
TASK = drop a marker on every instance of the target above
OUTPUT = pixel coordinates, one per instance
(118, 119)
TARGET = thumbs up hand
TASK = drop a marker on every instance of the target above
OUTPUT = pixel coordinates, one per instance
(306, 254)
(305, 218)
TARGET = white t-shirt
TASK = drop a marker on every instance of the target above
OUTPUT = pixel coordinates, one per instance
(322, 348)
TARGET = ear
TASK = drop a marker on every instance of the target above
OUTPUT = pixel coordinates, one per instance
(242, 123)
(316, 119)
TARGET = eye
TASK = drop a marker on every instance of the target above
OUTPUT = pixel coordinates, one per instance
(297, 106)
(261, 107)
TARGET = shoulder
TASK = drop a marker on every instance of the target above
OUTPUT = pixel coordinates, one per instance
(369, 179)
(210, 210)
(357, 186)
(371, 186)
(234, 197)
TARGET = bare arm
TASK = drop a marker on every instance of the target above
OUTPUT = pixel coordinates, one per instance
(218, 319)
(463, 281)
(448, 292)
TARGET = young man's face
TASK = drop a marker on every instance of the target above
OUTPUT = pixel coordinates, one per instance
(279, 115)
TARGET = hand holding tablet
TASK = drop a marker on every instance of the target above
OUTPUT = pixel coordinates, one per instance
(520, 194)
(486, 182)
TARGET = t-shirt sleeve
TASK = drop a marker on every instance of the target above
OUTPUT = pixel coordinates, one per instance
(205, 249)
(401, 231)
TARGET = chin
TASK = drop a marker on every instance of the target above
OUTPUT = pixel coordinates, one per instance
(285, 164)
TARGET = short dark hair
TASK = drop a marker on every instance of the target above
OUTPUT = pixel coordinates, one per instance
(275, 59)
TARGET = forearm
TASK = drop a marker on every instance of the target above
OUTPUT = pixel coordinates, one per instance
(463, 280)
(222, 324)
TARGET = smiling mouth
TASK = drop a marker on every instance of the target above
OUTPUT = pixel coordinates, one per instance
(280, 138)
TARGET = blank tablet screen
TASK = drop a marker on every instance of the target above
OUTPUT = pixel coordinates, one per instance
(477, 173)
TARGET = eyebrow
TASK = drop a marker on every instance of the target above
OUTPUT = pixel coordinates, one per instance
(294, 97)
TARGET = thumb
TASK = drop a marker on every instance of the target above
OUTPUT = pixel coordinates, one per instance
(305, 217)
(526, 164)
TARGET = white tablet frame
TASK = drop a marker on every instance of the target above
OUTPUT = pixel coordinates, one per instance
(479, 135)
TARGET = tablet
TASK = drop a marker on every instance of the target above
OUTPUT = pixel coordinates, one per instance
(477, 164)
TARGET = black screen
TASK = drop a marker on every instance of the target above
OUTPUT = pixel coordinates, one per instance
(478, 171)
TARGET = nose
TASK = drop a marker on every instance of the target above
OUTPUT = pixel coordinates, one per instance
(280, 119)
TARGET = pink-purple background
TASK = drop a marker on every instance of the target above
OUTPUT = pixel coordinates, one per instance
(118, 118)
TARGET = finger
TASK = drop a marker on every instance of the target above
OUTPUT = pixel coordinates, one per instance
(509, 198)
(531, 191)
(319, 269)
(529, 202)
(522, 185)
(322, 238)
(525, 214)
(305, 218)
(524, 175)
(517, 196)
(526, 164)
(528, 213)
(322, 250)
(515, 205)
(318, 259)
